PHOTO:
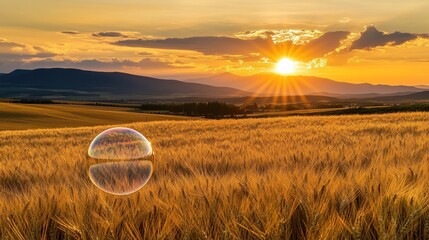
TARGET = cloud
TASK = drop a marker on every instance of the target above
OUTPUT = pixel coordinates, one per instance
(344, 20)
(116, 63)
(40, 49)
(17, 52)
(21, 57)
(70, 32)
(109, 34)
(315, 48)
(16, 55)
(205, 45)
(297, 36)
(42, 53)
(241, 58)
(263, 33)
(145, 53)
(323, 45)
(371, 38)
(10, 51)
(5, 44)
(90, 64)
(157, 64)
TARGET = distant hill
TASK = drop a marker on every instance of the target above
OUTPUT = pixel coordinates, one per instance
(34, 116)
(423, 86)
(365, 95)
(274, 84)
(73, 83)
(419, 96)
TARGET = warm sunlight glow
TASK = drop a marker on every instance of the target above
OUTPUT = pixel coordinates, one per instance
(285, 66)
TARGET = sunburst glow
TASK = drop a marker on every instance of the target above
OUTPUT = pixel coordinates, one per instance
(285, 66)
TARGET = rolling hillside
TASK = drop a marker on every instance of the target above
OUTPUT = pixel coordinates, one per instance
(33, 116)
(61, 83)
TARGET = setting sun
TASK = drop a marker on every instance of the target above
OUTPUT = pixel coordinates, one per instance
(285, 66)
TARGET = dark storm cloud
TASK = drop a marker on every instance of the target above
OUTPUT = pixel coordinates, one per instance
(371, 38)
(235, 46)
(108, 34)
(70, 32)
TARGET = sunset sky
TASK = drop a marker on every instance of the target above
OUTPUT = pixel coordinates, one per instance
(385, 41)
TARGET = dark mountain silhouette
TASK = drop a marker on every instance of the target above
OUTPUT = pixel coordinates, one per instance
(89, 85)
(58, 82)
(274, 84)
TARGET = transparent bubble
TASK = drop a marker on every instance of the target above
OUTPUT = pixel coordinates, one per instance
(122, 161)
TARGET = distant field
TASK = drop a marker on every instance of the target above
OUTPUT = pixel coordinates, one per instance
(313, 177)
(32, 116)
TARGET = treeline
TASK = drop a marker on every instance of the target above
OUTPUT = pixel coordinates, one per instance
(291, 107)
(31, 101)
(419, 107)
(209, 109)
(221, 110)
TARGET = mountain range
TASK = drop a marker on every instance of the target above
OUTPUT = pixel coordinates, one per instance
(270, 83)
(413, 97)
(59, 83)
(72, 83)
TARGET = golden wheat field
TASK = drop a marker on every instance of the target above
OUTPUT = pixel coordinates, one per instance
(345, 177)
(15, 116)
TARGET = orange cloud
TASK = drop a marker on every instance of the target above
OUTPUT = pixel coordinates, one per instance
(315, 48)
